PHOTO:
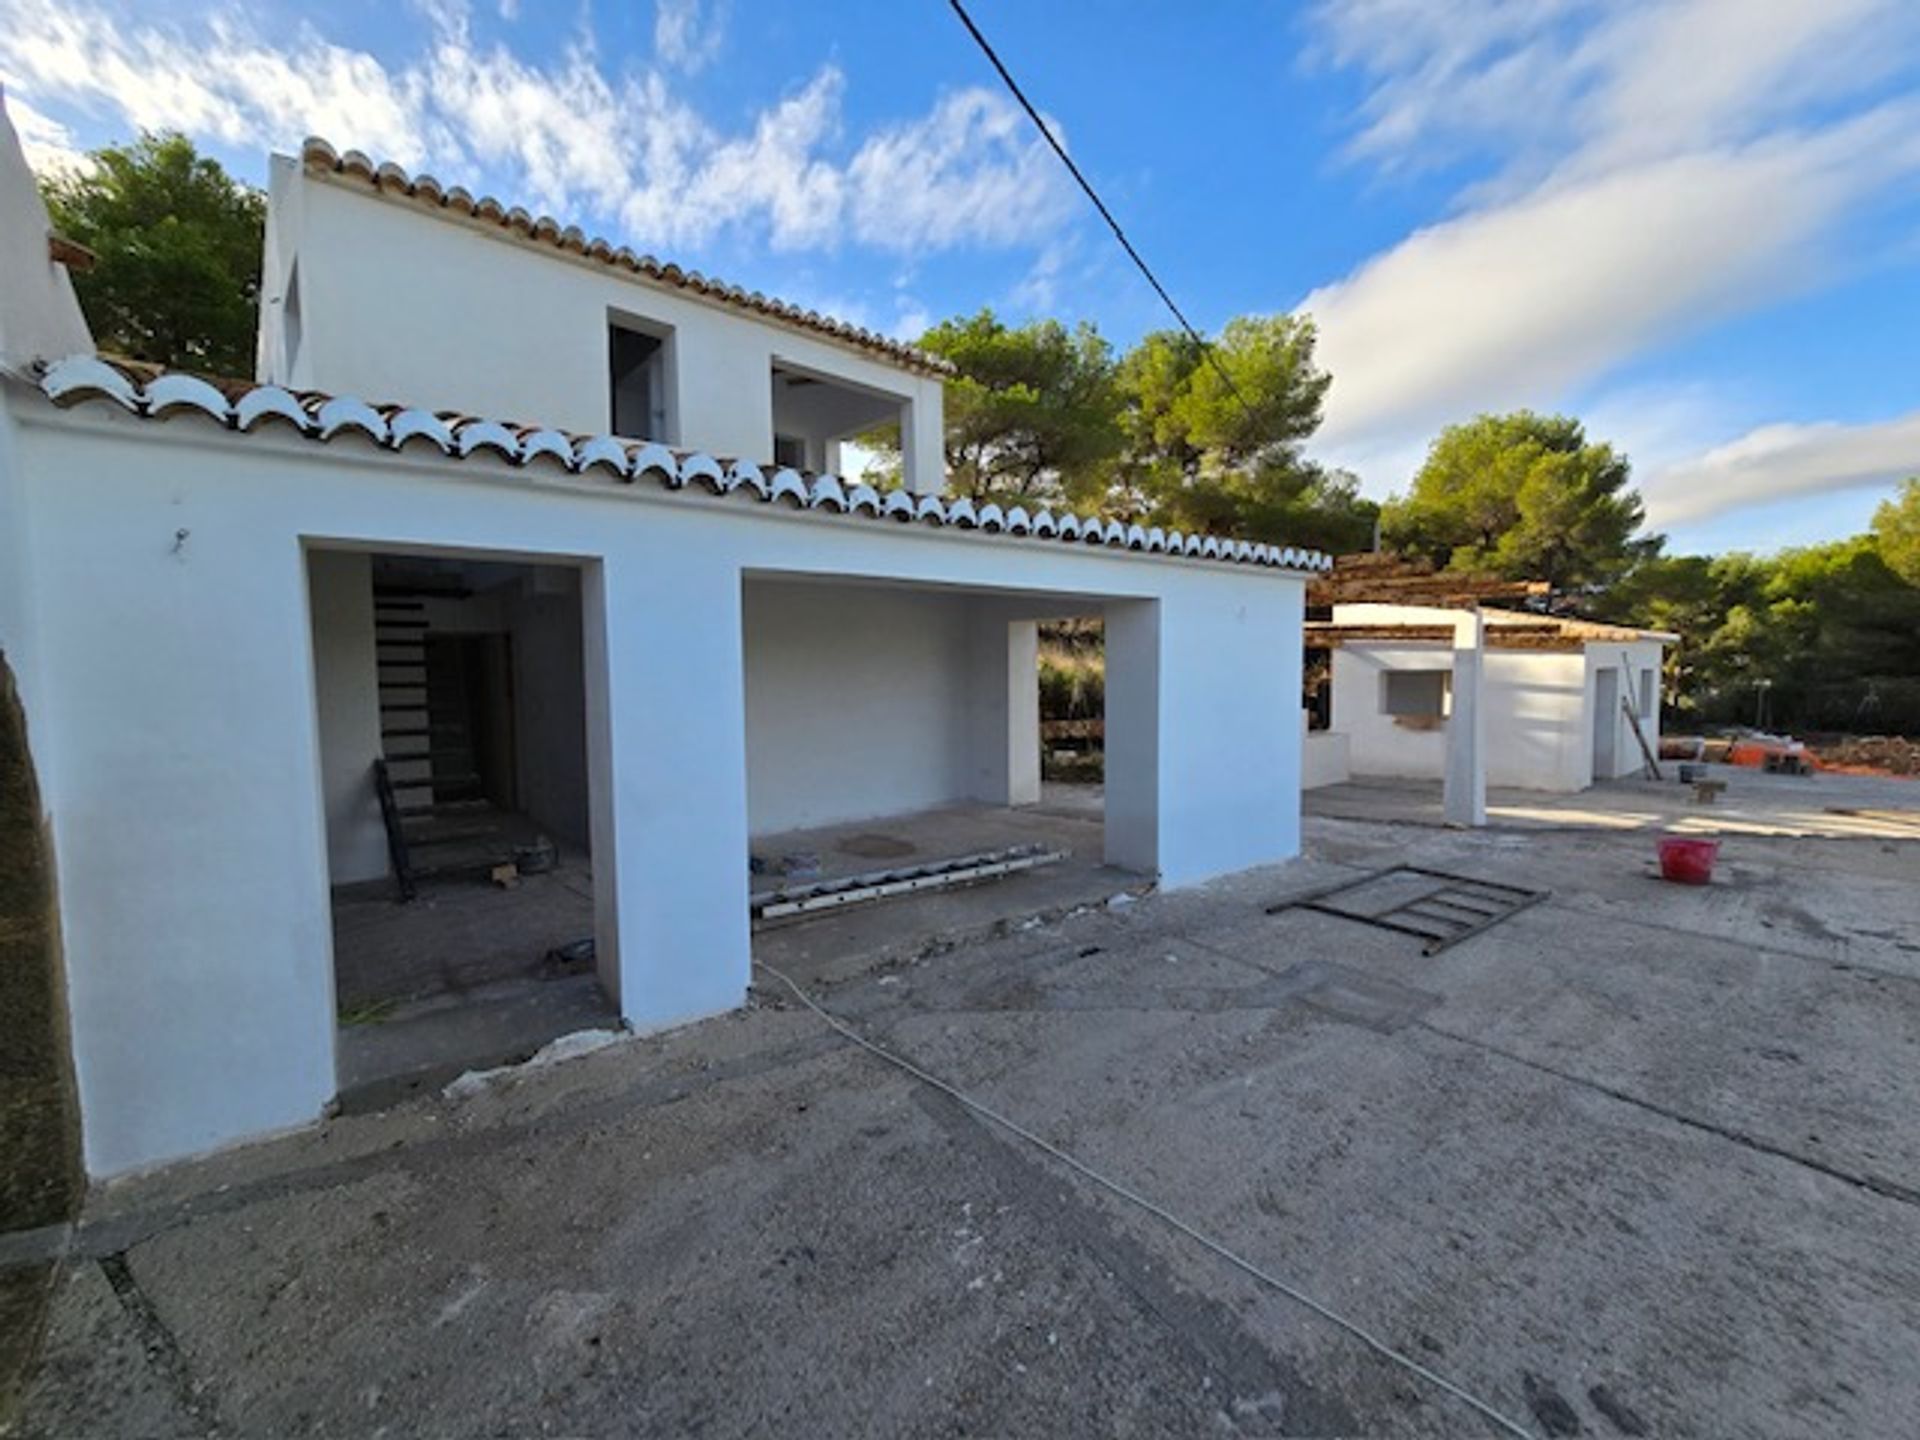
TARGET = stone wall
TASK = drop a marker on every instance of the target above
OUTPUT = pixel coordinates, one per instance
(41, 1181)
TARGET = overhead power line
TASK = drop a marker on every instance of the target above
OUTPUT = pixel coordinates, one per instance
(1206, 346)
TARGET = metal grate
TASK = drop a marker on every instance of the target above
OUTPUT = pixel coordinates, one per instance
(1449, 908)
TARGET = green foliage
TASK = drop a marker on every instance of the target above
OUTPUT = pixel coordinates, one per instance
(178, 276)
(1830, 631)
(1212, 458)
(1073, 670)
(1525, 497)
(1033, 414)
(1896, 531)
(1073, 684)
(1041, 414)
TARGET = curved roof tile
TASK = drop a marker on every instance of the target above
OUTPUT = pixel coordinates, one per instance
(243, 407)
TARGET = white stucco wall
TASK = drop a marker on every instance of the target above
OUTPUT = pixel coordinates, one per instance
(1003, 703)
(1535, 706)
(549, 705)
(856, 702)
(39, 317)
(397, 304)
(873, 700)
(188, 803)
(347, 696)
(1538, 706)
(1632, 661)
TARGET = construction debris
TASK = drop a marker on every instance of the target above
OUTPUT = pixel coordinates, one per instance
(576, 957)
(567, 1047)
(1875, 754)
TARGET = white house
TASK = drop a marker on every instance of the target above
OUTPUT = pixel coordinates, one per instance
(1558, 700)
(603, 483)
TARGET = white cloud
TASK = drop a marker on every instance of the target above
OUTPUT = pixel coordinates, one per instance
(776, 171)
(1518, 303)
(1644, 168)
(973, 166)
(571, 135)
(688, 34)
(48, 145)
(1775, 462)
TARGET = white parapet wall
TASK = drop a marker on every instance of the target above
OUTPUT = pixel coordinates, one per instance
(174, 707)
(369, 291)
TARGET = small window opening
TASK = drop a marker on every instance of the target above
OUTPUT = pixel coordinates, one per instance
(638, 383)
(1415, 694)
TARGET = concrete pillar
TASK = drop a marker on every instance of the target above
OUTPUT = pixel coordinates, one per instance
(1465, 799)
(1023, 712)
(1193, 791)
(923, 454)
(1003, 720)
(1133, 735)
(666, 748)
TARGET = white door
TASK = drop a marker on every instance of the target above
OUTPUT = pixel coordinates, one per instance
(1606, 722)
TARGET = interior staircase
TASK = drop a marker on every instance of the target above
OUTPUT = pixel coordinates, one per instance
(440, 821)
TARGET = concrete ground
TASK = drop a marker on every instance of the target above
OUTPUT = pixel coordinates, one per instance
(459, 933)
(835, 944)
(1642, 1160)
(1825, 805)
(456, 979)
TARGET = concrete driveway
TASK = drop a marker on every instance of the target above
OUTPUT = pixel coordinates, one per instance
(1642, 1160)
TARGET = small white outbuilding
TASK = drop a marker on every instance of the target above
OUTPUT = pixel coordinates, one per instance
(1561, 703)
(600, 489)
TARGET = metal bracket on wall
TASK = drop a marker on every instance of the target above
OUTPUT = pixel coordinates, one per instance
(819, 895)
(1455, 908)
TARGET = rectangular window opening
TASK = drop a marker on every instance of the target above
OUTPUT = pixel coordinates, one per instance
(1415, 694)
(639, 383)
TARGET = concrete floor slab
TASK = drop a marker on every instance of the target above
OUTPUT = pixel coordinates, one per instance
(835, 945)
(459, 934)
(1643, 1160)
(420, 1046)
(1827, 805)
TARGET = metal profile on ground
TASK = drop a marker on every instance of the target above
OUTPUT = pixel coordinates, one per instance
(1455, 909)
(836, 894)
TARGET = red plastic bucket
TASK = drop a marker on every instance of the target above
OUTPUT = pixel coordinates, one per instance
(1687, 861)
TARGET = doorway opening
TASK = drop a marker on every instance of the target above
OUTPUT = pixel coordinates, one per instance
(451, 695)
(1606, 722)
(1073, 689)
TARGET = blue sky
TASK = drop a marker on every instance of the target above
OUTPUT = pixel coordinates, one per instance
(1695, 223)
